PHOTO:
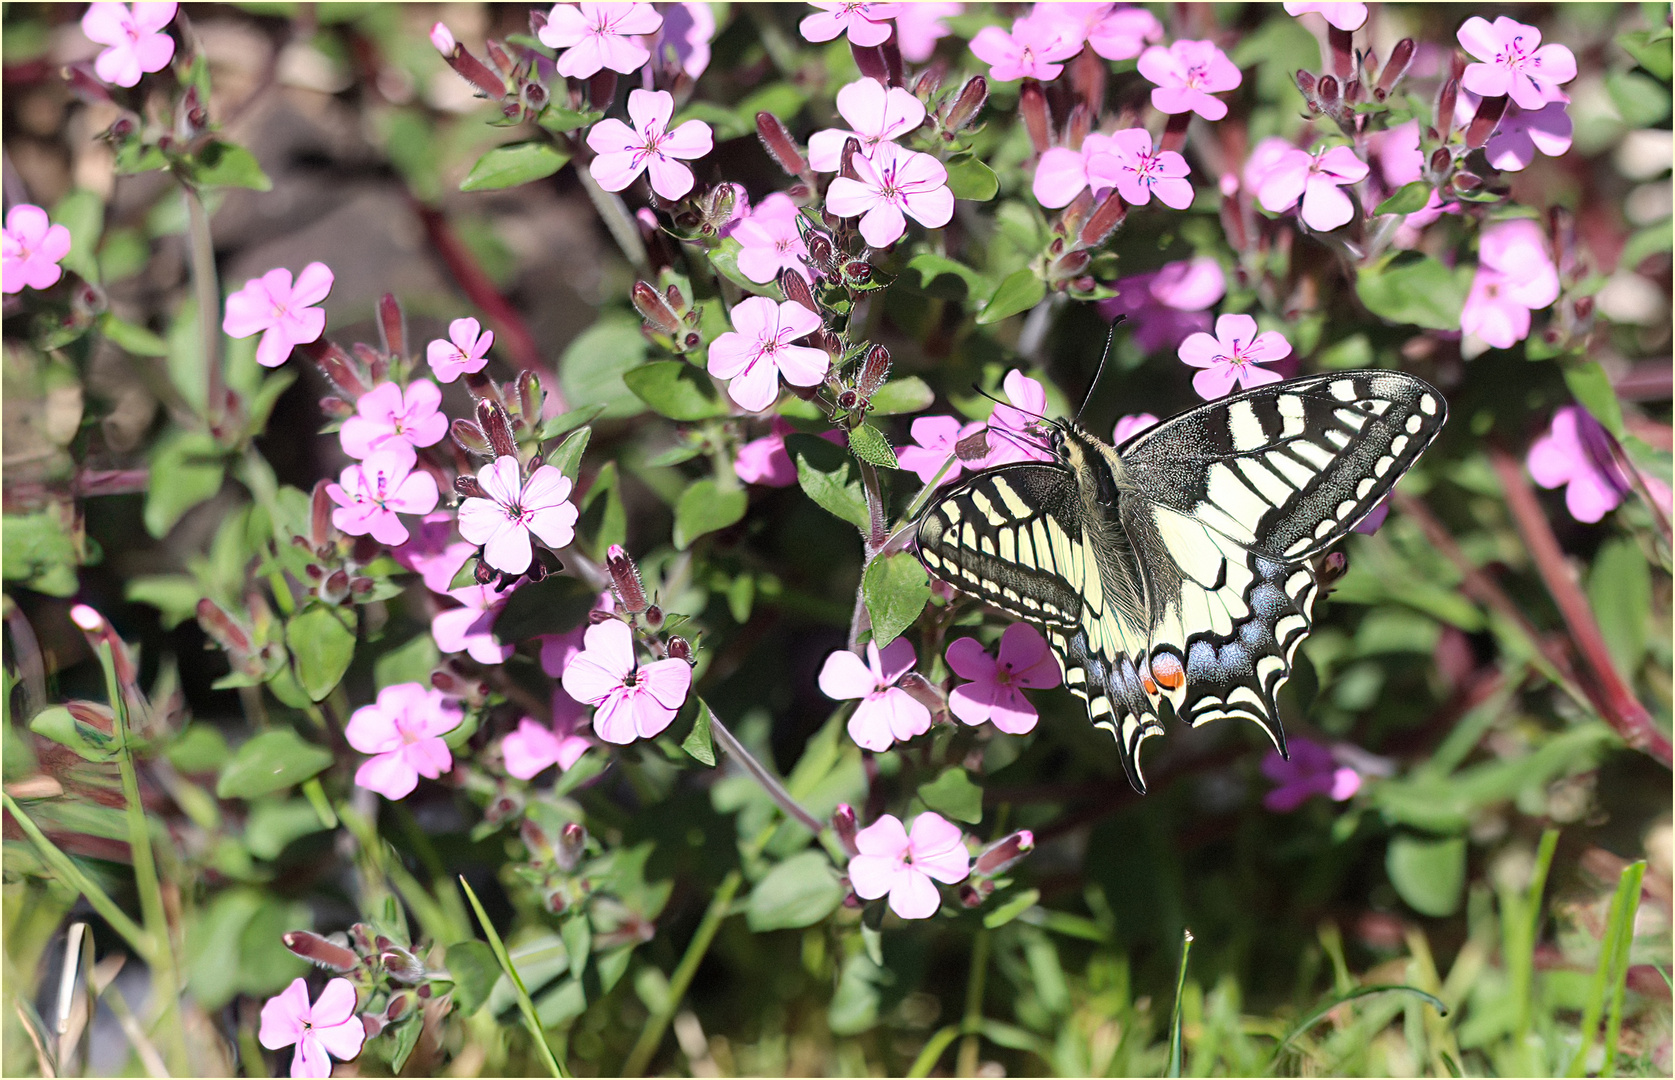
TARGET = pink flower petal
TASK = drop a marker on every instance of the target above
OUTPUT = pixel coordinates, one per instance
(912, 896)
(390, 775)
(845, 676)
(284, 1014)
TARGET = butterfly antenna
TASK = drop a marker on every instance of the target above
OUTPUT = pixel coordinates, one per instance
(984, 393)
(1104, 358)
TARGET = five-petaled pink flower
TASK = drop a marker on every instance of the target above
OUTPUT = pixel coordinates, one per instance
(1124, 33)
(1165, 305)
(1522, 132)
(892, 862)
(685, 37)
(887, 713)
(371, 494)
(625, 152)
(1315, 179)
(865, 23)
(30, 247)
(433, 552)
(134, 36)
(1015, 428)
(769, 241)
(1230, 357)
(758, 350)
(874, 113)
(1515, 62)
(466, 351)
(1342, 16)
(281, 312)
(403, 732)
(892, 182)
(1576, 455)
(533, 747)
(386, 415)
(470, 628)
(1186, 74)
(1062, 173)
(1515, 276)
(1139, 173)
(919, 26)
(600, 35)
(996, 690)
(1311, 771)
(1130, 426)
(324, 1030)
(515, 508)
(934, 439)
(1034, 49)
(631, 700)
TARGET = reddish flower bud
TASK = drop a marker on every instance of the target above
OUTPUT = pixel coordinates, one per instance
(1445, 106)
(1584, 307)
(572, 845)
(970, 897)
(846, 161)
(1482, 125)
(1104, 221)
(220, 626)
(1441, 159)
(1352, 92)
(372, 1025)
(96, 716)
(536, 840)
(501, 807)
(594, 618)
(402, 965)
(335, 587)
(361, 586)
(681, 649)
(531, 398)
(1305, 83)
(1032, 106)
(795, 289)
(601, 89)
(360, 935)
(336, 408)
(871, 62)
(1465, 181)
(1071, 263)
(344, 373)
(844, 825)
(1394, 68)
(653, 616)
(1342, 45)
(317, 950)
(1327, 91)
(469, 437)
(483, 573)
(1088, 73)
(777, 142)
(314, 572)
(1004, 852)
(398, 1007)
(820, 248)
(469, 487)
(491, 417)
(858, 272)
(929, 81)
(969, 102)
(534, 95)
(392, 325)
(873, 372)
(625, 580)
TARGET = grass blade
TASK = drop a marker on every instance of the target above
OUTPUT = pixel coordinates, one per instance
(1175, 1021)
(525, 1006)
(70, 874)
(927, 1059)
(1318, 1013)
(1611, 975)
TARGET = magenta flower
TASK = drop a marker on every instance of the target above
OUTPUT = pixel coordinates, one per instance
(764, 461)
(1400, 160)
(30, 248)
(1515, 63)
(919, 26)
(533, 747)
(1311, 771)
(595, 36)
(758, 350)
(934, 438)
(1124, 33)
(632, 701)
(134, 36)
(1374, 519)
(432, 552)
(557, 650)
(371, 494)
(892, 182)
(1576, 455)
(1315, 179)
(1186, 74)
(516, 508)
(887, 713)
(1167, 304)
(876, 114)
(1342, 16)
(1130, 426)
(466, 351)
(905, 867)
(1061, 174)
(281, 312)
(324, 1030)
(1034, 49)
(865, 23)
(1139, 173)
(1014, 429)
(1228, 358)
(1515, 275)
(684, 38)
(470, 628)
(403, 731)
(769, 241)
(996, 690)
(625, 153)
(386, 415)
(1521, 133)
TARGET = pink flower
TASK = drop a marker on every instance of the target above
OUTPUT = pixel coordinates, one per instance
(893, 182)
(1315, 179)
(282, 313)
(919, 26)
(1515, 62)
(1263, 157)
(1186, 74)
(1521, 133)
(934, 438)
(758, 350)
(1491, 313)
(30, 247)
(403, 731)
(327, 1029)
(1576, 454)
(865, 23)
(371, 493)
(557, 650)
(1034, 49)
(533, 747)
(995, 692)
(1342, 16)
(633, 701)
(443, 39)
(1061, 174)
(516, 508)
(385, 415)
(769, 240)
(1374, 519)
(135, 37)
(1515, 275)
(433, 553)
(470, 628)
(1167, 304)
(624, 152)
(1228, 357)
(600, 35)
(1400, 160)
(1130, 426)
(1311, 771)
(688, 29)
(876, 114)
(466, 351)
(764, 461)
(1014, 430)
(1125, 33)
(887, 713)
(905, 867)
(1139, 173)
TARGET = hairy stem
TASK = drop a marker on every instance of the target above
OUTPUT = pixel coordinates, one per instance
(758, 772)
(652, 1034)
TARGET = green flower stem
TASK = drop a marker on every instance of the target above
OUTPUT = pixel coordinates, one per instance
(651, 1036)
(208, 293)
(1611, 975)
(758, 772)
(966, 1063)
(70, 874)
(1520, 926)
(1175, 1021)
(525, 1006)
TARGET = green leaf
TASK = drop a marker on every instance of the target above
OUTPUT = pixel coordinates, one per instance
(1428, 874)
(186, 469)
(83, 213)
(869, 444)
(321, 647)
(1021, 291)
(1645, 243)
(1591, 386)
(676, 389)
(411, 662)
(798, 892)
(509, 166)
(199, 749)
(475, 970)
(1013, 908)
(274, 823)
(706, 507)
(135, 340)
(1640, 101)
(1650, 49)
(530, 1021)
(698, 743)
(406, 1038)
(557, 118)
(1620, 590)
(827, 474)
(1324, 1009)
(896, 590)
(590, 372)
(56, 723)
(222, 164)
(567, 459)
(947, 278)
(1408, 199)
(38, 550)
(554, 605)
(953, 795)
(969, 178)
(1422, 292)
(272, 760)
(563, 422)
(899, 396)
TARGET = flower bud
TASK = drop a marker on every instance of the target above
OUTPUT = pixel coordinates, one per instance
(320, 529)
(844, 825)
(969, 102)
(482, 573)
(1327, 91)
(970, 897)
(402, 965)
(1004, 852)
(498, 57)
(94, 715)
(601, 89)
(336, 366)
(1489, 113)
(495, 424)
(778, 144)
(1104, 221)
(1352, 92)
(1445, 106)
(858, 273)
(821, 250)
(929, 81)
(1080, 123)
(470, 438)
(1465, 181)
(1441, 159)
(468, 486)
(335, 587)
(1032, 106)
(502, 806)
(848, 399)
(871, 62)
(1394, 68)
(220, 626)
(873, 372)
(317, 950)
(336, 408)
(314, 572)
(360, 936)
(1584, 306)
(625, 580)
(424, 992)
(1305, 83)
(375, 362)
(372, 1025)
(795, 289)
(846, 160)
(443, 39)
(572, 844)
(398, 1007)
(681, 649)
(392, 325)
(466, 66)
(361, 586)
(534, 95)
(594, 618)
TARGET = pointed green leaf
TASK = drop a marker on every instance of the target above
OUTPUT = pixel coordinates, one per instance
(699, 743)
(827, 474)
(896, 590)
(321, 647)
(676, 389)
(270, 761)
(707, 507)
(953, 795)
(509, 166)
(1021, 291)
(1408, 199)
(969, 178)
(798, 892)
(869, 444)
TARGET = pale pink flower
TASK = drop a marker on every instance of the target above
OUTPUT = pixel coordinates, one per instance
(1139, 174)
(386, 414)
(891, 183)
(1014, 429)
(599, 35)
(557, 650)
(1342, 16)
(1034, 49)
(30, 248)
(764, 461)
(995, 692)
(1515, 62)
(1311, 771)
(1230, 357)
(371, 494)
(443, 39)
(515, 509)
(1400, 160)
(466, 351)
(688, 29)
(1576, 454)
(1186, 74)
(1491, 313)
(324, 1030)
(874, 113)
(769, 241)
(403, 731)
(934, 438)
(1130, 426)
(631, 700)
(905, 867)
(625, 153)
(887, 713)
(1522, 132)
(1315, 179)
(865, 23)
(283, 313)
(533, 747)
(1263, 157)
(433, 552)
(1165, 305)
(919, 26)
(470, 628)
(758, 350)
(134, 36)
(1515, 275)
(1061, 173)
(1124, 33)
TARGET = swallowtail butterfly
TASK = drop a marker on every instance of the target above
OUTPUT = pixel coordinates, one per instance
(1177, 566)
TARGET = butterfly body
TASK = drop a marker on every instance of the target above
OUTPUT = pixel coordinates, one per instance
(1177, 566)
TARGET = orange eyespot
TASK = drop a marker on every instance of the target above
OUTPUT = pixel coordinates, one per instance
(1151, 687)
(1167, 670)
